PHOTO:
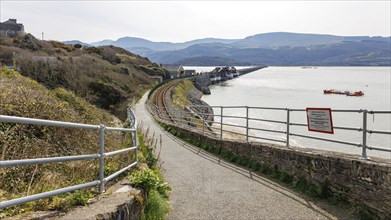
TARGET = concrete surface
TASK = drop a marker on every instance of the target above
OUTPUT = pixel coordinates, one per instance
(203, 187)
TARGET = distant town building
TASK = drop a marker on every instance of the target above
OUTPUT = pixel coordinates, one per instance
(11, 28)
(175, 70)
(159, 79)
(190, 72)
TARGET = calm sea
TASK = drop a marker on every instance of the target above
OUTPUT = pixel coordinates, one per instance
(297, 87)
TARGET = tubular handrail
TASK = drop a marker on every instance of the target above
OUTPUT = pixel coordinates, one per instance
(11, 163)
(44, 195)
(223, 113)
(266, 120)
(100, 156)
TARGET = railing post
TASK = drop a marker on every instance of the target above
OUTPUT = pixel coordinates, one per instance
(203, 124)
(364, 135)
(101, 159)
(221, 123)
(247, 123)
(287, 127)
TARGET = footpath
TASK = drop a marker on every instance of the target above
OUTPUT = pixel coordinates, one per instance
(205, 187)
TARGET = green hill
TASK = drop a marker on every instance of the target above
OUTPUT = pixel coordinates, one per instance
(108, 77)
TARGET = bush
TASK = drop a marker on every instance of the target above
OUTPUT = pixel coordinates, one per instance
(148, 180)
(106, 94)
(78, 46)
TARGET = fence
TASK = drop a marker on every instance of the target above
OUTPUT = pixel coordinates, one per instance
(197, 119)
(100, 156)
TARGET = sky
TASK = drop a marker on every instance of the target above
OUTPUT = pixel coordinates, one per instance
(180, 21)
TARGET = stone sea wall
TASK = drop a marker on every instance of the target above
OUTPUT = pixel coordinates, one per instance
(366, 183)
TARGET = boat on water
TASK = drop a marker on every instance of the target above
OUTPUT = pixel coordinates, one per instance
(334, 91)
(359, 93)
(348, 93)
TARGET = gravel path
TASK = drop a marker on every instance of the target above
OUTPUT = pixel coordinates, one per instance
(203, 187)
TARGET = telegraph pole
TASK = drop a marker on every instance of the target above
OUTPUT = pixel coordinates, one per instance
(42, 35)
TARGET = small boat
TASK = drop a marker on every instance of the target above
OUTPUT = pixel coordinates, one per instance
(359, 93)
(334, 91)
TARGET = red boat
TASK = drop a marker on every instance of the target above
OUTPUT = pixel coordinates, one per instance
(359, 93)
(333, 91)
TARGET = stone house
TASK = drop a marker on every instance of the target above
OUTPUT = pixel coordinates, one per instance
(11, 28)
(174, 69)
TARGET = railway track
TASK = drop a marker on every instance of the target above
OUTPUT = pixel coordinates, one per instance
(160, 102)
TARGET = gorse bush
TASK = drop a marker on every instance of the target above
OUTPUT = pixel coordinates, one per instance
(23, 97)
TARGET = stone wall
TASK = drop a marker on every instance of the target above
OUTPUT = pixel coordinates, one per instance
(124, 203)
(366, 183)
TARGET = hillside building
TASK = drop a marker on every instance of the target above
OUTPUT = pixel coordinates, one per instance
(11, 28)
(175, 70)
(190, 72)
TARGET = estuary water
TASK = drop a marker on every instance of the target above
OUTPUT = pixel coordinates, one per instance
(300, 88)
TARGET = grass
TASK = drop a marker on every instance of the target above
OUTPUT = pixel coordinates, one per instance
(21, 96)
(156, 207)
(149, 177)
(181, 93)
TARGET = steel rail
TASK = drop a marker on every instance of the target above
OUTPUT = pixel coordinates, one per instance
(335, 127)
(112, 153)
(326, 139)
(44, 195)
(378, 148)
(112, 176)
(378, 132)
(239, 117)
(219, 118)
(23, 162)
(33, 121)
(266, 120)
(100, 156)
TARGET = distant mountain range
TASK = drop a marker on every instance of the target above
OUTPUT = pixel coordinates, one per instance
(279, 48)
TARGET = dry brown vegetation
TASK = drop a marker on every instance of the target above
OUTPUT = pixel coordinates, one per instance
(60, 82)
(108, 77)
(21, 96)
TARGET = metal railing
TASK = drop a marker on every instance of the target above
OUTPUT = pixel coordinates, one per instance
(197, 121)
(101, 155)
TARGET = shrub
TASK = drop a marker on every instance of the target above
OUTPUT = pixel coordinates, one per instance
(78, 46)
(148, 180)
(105, 94)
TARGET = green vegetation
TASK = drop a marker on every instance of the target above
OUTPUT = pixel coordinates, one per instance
(150, 180)
(21, 96)
(181, 92)
(108, 77)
